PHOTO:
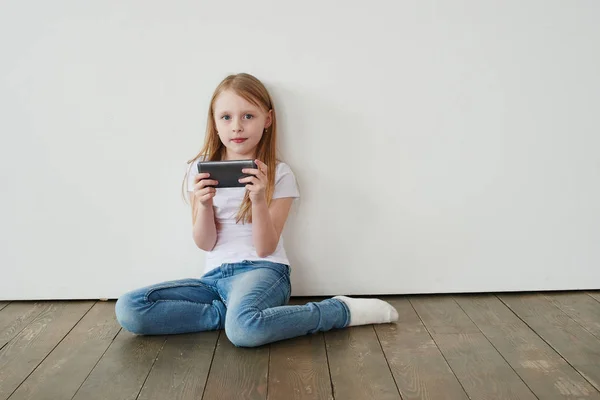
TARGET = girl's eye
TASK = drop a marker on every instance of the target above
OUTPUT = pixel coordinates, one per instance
(248, 116)
(226, 117)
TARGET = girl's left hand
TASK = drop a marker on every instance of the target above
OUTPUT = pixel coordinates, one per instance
(257, 183)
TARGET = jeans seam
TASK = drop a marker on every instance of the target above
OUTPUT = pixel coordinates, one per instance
(289, 291)
(266, 292)
(183, 301)
(221, 296)
(262, 316)
(169, 286)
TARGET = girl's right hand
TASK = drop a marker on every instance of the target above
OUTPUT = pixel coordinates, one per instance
(203, 190)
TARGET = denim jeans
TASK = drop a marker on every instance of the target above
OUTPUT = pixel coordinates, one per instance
(247, 299)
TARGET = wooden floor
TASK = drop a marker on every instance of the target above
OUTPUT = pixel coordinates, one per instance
(506, 346)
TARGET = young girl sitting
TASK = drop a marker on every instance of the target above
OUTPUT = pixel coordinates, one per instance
(246, 284)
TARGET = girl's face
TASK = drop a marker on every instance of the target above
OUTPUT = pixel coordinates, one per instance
(240, 125)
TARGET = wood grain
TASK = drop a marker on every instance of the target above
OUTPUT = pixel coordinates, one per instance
(181, 369)
(358, 366)
(595, 295)
(546, 373)
(481, 370)
(64, 370)
(122, 370)
(16, 316)
(483, 346)
(442, 315)
(576, 345)
(420, 370)
(298, 367)
(238, 373)
(20, 356)
(580, 307)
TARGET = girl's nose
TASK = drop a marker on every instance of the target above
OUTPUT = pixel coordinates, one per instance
(236, 125)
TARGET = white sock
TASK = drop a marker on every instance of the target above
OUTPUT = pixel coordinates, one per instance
(368, 311)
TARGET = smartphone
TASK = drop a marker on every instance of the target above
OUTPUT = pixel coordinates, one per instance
(227, 172)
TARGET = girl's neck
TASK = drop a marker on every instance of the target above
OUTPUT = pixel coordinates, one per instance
(235, 156)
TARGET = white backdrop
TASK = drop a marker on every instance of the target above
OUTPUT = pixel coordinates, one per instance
(439, 146)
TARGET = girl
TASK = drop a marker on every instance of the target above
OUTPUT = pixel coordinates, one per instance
(246, 284)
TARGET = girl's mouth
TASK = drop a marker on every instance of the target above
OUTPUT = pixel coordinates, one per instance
(241, 140)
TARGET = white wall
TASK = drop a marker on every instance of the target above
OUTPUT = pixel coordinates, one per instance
(439, 146)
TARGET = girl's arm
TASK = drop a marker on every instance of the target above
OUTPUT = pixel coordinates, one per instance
(203, 220)
(268, 223)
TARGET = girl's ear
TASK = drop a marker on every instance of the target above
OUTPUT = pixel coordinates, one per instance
(269, 119)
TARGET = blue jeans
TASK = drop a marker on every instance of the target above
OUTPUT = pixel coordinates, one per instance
(247, 299)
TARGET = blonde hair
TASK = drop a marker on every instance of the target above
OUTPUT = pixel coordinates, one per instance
(252, 90)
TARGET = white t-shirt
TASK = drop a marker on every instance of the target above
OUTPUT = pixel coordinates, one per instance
(234, 241)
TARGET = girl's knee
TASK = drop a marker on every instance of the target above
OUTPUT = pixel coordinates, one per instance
(243, 330)
(128, 315)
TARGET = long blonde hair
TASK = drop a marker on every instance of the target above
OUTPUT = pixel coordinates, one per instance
(252, 90)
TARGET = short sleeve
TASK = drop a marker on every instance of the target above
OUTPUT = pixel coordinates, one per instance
(192, 171)
(285, 182)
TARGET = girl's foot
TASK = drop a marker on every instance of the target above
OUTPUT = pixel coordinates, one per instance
(368, 311)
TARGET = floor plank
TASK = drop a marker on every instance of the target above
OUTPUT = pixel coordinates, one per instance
(546, 373)
(64, 370)
(595, 295)
(16, 316)
(420, 370)
(35, 341)
(298, 367)
(580, 348)
(502, 346)
(237, 373)
(358, 366)
(122, 370)
(441, 314)
(580, 307)
(481, 370)
(182, 367)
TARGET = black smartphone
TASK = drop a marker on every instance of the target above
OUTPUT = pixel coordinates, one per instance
(228, 172)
